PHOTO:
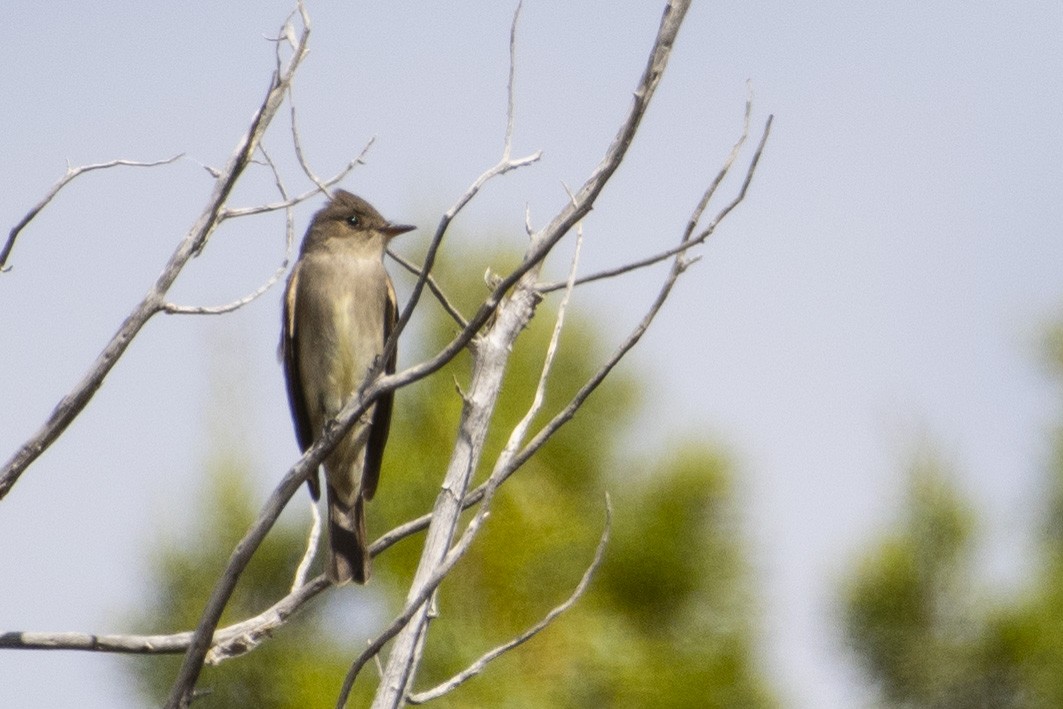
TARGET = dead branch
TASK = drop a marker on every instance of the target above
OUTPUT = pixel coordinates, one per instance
(313, 537)
(154, 301)
(230, 636)
(491, 357)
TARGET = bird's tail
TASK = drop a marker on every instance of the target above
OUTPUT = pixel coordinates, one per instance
(348, 555)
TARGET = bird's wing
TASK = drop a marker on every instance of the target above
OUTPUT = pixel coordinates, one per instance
(289, 355)
(378, 433)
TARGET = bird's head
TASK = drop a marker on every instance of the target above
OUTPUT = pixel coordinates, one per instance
(355, 222)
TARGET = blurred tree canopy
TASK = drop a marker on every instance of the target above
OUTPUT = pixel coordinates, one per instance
(668, 621)
(922, 629)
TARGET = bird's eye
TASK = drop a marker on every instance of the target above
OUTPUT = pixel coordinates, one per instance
(354, 220)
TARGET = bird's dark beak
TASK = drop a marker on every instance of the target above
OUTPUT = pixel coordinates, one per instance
(393, 230)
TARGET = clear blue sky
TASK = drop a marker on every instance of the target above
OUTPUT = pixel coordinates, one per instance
(884, 285)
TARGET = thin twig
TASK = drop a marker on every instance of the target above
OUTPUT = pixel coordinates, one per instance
(297, 143)
(433, 286)
(230, 213)
(311, 549)
(505, 164)
(687, 241)
(480, 664)
(289, 215)
(71, 174)
(511, 108)
(175, 309)
(679, 264)
(278, 274)
(516, 437)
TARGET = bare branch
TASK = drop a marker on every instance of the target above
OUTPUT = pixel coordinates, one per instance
(71, 174)
(415, 604)
(710, 191)
(174, 309)
(230, 636)
(722, 214)
(201, 638)
(480, 664)
(242, 638)
(438, 558)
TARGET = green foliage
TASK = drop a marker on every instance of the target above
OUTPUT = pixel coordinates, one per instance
(282, 673)
(667, 622)
(914, 618)
(905, 607)
(1028, 634)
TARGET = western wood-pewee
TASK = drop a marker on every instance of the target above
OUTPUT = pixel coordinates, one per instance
(339, 310)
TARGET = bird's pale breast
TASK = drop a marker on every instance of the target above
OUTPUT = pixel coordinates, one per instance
(341, 305)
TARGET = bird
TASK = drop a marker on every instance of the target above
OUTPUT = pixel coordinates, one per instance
(339, 311)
